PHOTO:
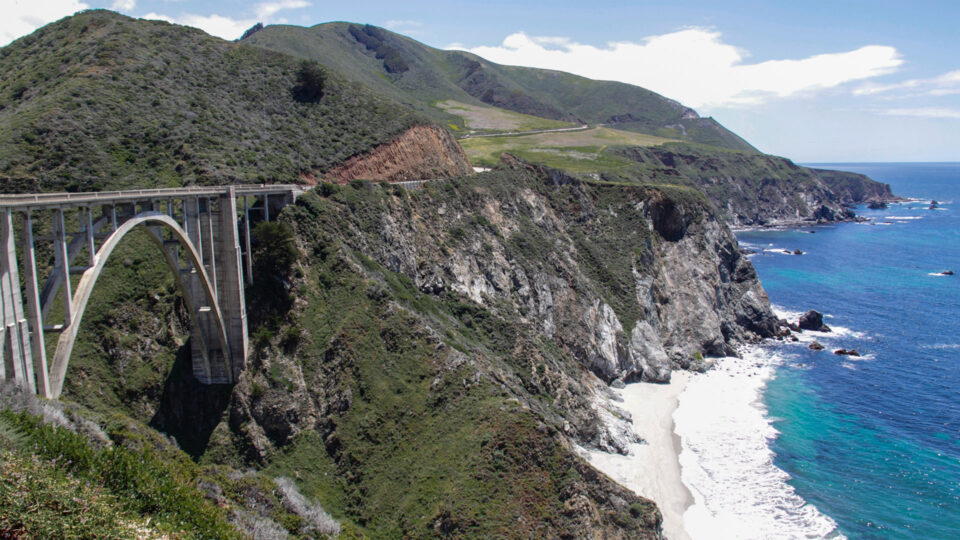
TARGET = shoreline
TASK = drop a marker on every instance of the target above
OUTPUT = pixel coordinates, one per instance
(652, 468)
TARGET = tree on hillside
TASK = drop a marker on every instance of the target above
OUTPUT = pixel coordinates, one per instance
(311, 79)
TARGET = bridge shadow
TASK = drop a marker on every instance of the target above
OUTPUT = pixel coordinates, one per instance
(188, 410)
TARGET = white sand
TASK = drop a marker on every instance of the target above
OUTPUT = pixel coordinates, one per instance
(652, 469)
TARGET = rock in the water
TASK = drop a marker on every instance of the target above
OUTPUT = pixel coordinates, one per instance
(845, 352)
(816, 346)
(946, 273)
(797, 252)
(813, 320)
(877, 205)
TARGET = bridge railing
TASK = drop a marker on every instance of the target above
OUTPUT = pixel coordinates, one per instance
(93, 197)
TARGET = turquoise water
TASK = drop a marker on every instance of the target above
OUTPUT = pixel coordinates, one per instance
(874, 442)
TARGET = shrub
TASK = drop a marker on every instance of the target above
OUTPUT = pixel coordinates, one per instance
(311, 79)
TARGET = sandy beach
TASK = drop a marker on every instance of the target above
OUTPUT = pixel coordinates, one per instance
(652, 469)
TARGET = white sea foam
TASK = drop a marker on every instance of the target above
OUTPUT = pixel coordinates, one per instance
(783, 313)
(781, 251)
(941, 346)
(939, 274)
(836, 331)
(727, 463)
(905, 218)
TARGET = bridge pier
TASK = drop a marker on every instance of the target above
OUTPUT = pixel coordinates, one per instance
(15, 334)
(206, 235)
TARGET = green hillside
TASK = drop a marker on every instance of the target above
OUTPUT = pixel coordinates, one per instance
(100, 100)
(420, 76)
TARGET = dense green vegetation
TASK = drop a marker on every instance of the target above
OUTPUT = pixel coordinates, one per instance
(131, 478)
(376, 40)
(101, 101)
(433, 76)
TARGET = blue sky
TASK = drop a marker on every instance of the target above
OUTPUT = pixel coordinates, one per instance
(841, 80)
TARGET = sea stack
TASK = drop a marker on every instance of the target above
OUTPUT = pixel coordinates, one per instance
(813, 320)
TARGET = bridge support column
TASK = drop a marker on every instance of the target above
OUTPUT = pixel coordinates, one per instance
(15, 334)
(229, 277)
(34, 308)
(208, 364)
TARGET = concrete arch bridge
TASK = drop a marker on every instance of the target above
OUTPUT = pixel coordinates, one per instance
(202, 232)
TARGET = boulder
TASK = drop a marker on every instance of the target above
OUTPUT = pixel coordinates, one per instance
(877, 205)
(813, 320)
(845, 352)
(816, 346)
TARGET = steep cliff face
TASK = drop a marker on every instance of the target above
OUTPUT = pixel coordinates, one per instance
(855, 188)
(756, 189)
(591, 266)
(419, 153)
(474, 321)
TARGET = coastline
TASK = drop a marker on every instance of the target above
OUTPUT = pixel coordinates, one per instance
(652, 468)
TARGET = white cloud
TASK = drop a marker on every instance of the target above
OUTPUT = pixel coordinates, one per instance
(158, 17)
(695, 66)
(21, 17)
(924, 112)
(267, 10)
(230, 27)
(941, 85)
(123, 5)
(217, 25)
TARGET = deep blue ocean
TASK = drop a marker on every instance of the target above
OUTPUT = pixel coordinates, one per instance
(873, 442)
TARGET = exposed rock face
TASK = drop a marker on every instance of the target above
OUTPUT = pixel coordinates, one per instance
(813, 320)
(759, 190)
(690, 290)
(855, 188)
(421, 152)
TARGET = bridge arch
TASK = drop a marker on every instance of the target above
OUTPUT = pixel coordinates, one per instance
(81, 297)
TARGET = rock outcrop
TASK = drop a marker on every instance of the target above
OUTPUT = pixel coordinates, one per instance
(752, 189)
(812, 320)
(419, 153)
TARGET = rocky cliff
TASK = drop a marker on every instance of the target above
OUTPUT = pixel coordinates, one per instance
(419, 153)
(443, 347)
(855, 188)
(755, 189)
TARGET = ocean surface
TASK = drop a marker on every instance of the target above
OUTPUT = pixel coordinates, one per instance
(787, 442)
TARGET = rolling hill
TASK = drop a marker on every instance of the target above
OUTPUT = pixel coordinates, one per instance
(100, 100)
(421, 77)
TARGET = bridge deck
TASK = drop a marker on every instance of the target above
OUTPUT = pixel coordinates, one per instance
(59, 200)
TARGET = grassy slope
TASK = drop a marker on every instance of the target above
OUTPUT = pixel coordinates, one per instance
(101, 100)
(575, 151)
(485, 118)
(437, 75)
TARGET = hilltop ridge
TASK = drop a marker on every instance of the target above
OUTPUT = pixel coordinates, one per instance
(421, 76)
(100, 100)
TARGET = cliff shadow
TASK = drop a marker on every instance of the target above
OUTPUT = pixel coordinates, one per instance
(188, 410)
